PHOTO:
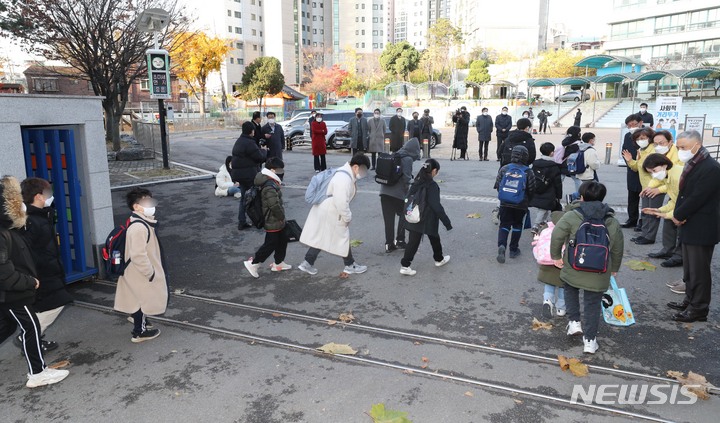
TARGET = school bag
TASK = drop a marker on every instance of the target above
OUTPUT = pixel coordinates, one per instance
(316, 191)
(590, 250)
(113, 253)
(541, 246)
(511, 189)
(576, 163)
(415, 205)
(388, 169)
(253, 204)
(542, 182)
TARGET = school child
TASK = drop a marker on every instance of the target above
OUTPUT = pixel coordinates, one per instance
(548, 274)
(548, 185)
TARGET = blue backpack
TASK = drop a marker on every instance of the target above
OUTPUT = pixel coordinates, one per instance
(576, 163)
(511, 189)
(590, 250)
(316, 191)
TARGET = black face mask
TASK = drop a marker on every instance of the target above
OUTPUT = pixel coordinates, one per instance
(358, 115)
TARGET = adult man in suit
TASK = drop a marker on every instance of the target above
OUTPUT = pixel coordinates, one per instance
(503, 124)
(359, 133)
(697, 213)
(397, 130)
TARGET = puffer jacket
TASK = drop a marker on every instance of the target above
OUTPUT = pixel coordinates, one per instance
(409, 153)
(224, 182)
(592, 162)
(246, 159)
(565, 231)
(515, 138)
(547, 200)
(17, 269)
(519, 157)
(272, 203)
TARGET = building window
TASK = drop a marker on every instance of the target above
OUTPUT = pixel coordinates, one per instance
(238, 30)
(357, 32)
(239, 46)
(314, 44)
(314, 31)
(254, 47)
(363, 45)
(252, 16)
(314, 18)
(260, 18)
(240, 61)
(229, 12)
(232, 61)
(144, 85)
(625, 30)
(238, 15)
(45, 84)
(363, 32)
(229, 29)
(261, 33)
(254, 32)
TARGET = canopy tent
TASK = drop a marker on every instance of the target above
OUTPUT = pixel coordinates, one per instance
(599, 61)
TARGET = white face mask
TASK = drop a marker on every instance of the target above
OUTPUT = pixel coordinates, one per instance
(659, 175)
(149, 211)
(643, 143)
(662, 149)
(271, 121)
(318, 119)
(504, 112)
(49, 201)
(377, 115)
(632, 130)
(399, 114)
(685, 155)
(643, 110)
(484, 113)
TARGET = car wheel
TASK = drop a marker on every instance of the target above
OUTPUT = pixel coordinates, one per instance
(298, 139)
(331, 143)
(577, 99)
(433, 141)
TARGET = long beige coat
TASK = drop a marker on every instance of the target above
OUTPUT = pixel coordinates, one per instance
(327, 224)
(376, 139)
(143, 286)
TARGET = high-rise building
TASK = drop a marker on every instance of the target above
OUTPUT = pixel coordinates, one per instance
(360, 25)
(413, 19)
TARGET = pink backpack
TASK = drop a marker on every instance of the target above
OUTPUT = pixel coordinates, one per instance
(559, 154)
(541, 246)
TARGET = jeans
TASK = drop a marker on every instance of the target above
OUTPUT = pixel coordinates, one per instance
(541, 216)
(591, 302)
(313, 253)
(413, 244)
(551, 292)
(511, 220)
(242, 217)
(392, 207)
(233, 190)
(319, 162)
(274, 242)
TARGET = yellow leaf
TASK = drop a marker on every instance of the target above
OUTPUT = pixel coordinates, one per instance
(469, 394)
(346, 317)
(640, 265)
(59, 364)
(276, 315)
(575, 366)
(474, 216)
(333, 348)
(355, 243)
(537, 325)
(701, 385)
(331, 322)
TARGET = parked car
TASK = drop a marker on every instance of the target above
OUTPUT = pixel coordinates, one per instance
(342, 136)
(342, 100)
(334, 119)
(295, 128)
(573, 96)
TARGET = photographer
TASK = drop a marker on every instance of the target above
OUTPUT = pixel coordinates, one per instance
(461, 119)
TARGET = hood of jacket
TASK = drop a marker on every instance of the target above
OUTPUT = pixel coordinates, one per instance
(583, 146)
(518, 136)
(265, 175)
(12, 215)
(543, 163)
(519, 154)
(410, 149)
(592, 209)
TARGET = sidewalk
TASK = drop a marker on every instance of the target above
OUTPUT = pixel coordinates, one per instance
(150, 171)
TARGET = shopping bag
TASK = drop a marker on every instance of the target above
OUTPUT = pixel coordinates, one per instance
(616, 309)
(292, 231)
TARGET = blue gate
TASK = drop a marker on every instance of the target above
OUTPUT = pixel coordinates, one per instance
(50, 154)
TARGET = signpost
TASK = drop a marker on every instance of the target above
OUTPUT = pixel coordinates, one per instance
(667, 114)
(695, 124)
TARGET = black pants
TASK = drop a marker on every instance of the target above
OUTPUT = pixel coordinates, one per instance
(697, 274)
(511, 221)
(358, 150)
(26, 319)
(319, 162)
(138, 322)
(313, 253)
(543, 126)
(591, 310)
(633, 206)
(373, 159)
(274, 241)
(670, 239)
(242, 217)
(500, 140)
(413, 244)
(392, 207)
(484, 145)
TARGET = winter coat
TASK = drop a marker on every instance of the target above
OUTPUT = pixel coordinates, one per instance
(426, 127)
(592, 162)
(503, 122)
(224, 182)
(397, 132)
(578, 116)
(327, 225)
(647, 118)
(17, 268)
(542, 117)
(376, 135)
(276, 142)
(257, 133)
(143, 286)
(572, 146)
(633, 179)
(698, 202)
(409, 153)
(549, 199)
(433, 212)
(272, 202)
(565, 231)
(318, 131)
(529, 187)
(415, 128)
(462, 123)
(246, 160)
(517, 137)
(671, 187)
(636, 165)
(484, 126)
(358, 127)
(43, 241)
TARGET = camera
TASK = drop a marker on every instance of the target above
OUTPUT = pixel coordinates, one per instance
(263, 143)
(548, 113)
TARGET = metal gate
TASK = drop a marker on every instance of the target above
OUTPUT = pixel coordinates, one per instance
(50, 154)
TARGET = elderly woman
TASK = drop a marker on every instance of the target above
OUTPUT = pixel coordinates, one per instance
(643, 139)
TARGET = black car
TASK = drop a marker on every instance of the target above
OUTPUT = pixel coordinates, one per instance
(342, 136)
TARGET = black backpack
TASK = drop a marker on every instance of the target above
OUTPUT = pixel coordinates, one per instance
(388, 169)
(542, 182)
(590, 250)
(506, 154)
(113, 253)
(254, 206)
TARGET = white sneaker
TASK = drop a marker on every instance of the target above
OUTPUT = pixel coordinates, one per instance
(547, 309)
(46, 377)
(407, 271)
(443, 262)
(307, 268)
(574, 328)
(252, 268)
(560, 312)
(280, 267)
(590, 346)
(355, 268)
(238, 195)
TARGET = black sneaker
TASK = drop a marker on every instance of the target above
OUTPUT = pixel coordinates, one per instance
(244, 226)
(400, 244)
(389, 248)
(145, 336)
(514, 252)
(501, 254)
(48, 345)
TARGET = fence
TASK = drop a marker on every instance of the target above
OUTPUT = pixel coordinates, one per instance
(147, 135)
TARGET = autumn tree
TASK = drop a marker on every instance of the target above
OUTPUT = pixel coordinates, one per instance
(352, 84)
(196, 55)
(442, 38)
(262, 76)
(314, 58)
(400, 59)
(557, 64)
(99, 38)
(326, 81)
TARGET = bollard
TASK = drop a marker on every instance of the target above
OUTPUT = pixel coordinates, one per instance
(387, 145)
(406, 137)
(608, 152)
(288, 144)
(426, 148)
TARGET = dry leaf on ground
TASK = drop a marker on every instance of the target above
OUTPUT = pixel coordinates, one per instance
(640, 265)
(346, 317)
(276, 315)
(59, 364)
(701, 388)
(537, 325)
(474, 216)
(380, 414)
(332, 322)
(333, 348)
(344, 275)
(575, 366)
(355, 243)
(469, 394)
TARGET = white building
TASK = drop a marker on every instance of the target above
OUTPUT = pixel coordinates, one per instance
(413, 19)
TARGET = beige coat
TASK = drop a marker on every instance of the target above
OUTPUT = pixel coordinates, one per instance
(143, 286)
(376, 140)
(327, 224)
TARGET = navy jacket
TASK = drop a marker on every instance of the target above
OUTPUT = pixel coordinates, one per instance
(503, 122)
(484, 126)
(633, 178)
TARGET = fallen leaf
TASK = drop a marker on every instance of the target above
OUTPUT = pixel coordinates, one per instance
(331, 322)
(616, 366)
(575, 366)
(344, 275)
(691, 337)
(333, 348)
(474, 216)
(640, 265)
(517, 401)
(380, 414)
(179, 291)
(469, 394)
(537, 325)
(408, 372)
(701, 386)
(346, 317)
(276, 315)
(522, 301)
(417, 343)
(425, 359)
(355, 243)
(59, 364)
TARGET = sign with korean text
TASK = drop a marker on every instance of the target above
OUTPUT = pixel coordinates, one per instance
(695, 124)
(158, 63)
(667, 114)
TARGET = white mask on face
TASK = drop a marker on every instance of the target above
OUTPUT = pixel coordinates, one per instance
(642, 109)
(149, 211)
(484, 113)
(271, 121)
(318, 119)
(632, 130)
(643, 143)
(399, 114)
(504, 112)
(659, 175)
(685, 155)
(377, 115)
(662, 149)
(49, 201)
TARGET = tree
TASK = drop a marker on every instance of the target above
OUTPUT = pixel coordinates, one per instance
(442, 37)
(196, 55)
(326, 81)
(351, 84)
(262, 76)
(479, 72)
(557, 64)
(314, 58)
(99, 38)
(400, 59)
